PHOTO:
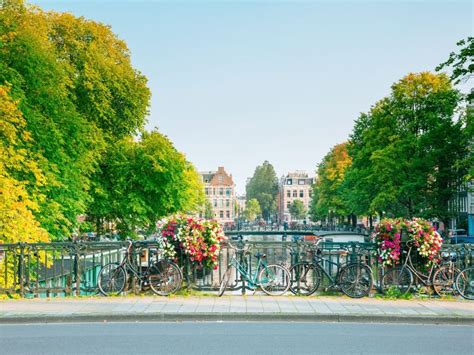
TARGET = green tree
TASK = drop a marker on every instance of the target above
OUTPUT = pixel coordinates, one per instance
(146, 180)
(65, 143)
(263, 186)
(252, 210)
(327, 194)
(208, 211)
(461, 63)
(298, 210)
(407, 152)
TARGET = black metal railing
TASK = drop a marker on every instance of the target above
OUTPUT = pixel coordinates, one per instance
(71, 268)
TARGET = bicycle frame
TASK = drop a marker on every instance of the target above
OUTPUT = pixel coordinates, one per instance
(425, 279)
(252, 280)
(319, 260)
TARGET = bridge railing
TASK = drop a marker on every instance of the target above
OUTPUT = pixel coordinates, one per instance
(72, 268)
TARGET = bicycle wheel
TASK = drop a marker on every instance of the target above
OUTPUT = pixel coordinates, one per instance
(224, 281)
(444, 281)
(274, 280)
(112, 279)
(465, 283)
(164, 277)
(305, 278)
(398, 278)
(356, 280)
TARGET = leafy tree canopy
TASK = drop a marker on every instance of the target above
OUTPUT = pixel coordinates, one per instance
(327, 194)
(297, 210)
(408, 151)
(252, 210)
(263, 186)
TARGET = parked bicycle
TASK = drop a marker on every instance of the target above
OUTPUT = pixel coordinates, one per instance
(273, 279)
(162, 276)
(353, 279)
(440, 278)
(465, 283)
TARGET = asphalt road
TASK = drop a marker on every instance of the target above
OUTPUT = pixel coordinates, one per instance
(235, 338)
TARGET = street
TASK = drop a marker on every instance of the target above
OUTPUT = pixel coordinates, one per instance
(235, 338)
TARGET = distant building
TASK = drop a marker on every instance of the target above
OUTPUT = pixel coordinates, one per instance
(293, 186)
(219, 188)
(241, 204)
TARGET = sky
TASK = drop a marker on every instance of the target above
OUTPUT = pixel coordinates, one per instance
(235, 83)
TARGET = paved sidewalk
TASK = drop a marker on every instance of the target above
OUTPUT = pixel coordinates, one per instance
(235, 308)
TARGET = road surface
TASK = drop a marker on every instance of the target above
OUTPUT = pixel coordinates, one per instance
(235, 338)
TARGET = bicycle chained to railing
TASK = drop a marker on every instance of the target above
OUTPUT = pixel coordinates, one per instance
(273, 279)
(440, 277)
(163, 276)
(465, 283)
(354, 278)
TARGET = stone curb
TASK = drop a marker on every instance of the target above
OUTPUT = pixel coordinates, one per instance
(238, 317)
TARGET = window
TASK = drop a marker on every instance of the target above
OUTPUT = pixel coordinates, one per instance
(227, 203)
(288, 193)
(289, 181)
(220, 178)
(301, 182)
(221, 191)
(227, 214)
(213, 191)
(215, 203)
(295, 193)
(221, 214)
(288, 204)
(301, 193)
(228, 192)
(208, 191)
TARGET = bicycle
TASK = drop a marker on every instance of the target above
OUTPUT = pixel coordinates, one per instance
(164, 277)
(465, 283)
(273, 279)
(354, 279)
(441, 279)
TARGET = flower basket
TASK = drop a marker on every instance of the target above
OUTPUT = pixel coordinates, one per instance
(198, 240)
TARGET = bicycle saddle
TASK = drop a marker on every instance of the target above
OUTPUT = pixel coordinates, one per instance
(260, 255)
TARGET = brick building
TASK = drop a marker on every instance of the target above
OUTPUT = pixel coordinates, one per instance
(293, 186)
(220, 191)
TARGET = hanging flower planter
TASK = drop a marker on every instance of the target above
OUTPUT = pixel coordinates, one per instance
(197, 239)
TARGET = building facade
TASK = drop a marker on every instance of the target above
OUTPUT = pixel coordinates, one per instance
(219, 188)
(293, 186)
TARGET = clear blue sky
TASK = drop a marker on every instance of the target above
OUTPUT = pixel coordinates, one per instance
(235, 83)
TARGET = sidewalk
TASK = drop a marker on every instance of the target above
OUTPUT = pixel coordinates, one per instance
(235, 308)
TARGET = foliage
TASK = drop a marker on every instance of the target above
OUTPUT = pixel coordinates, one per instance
(462, 63)
(81, 103)
(184, 236)
(327, 193)
(144, 181)
(19, 172)
(407, 152)
(64, 143)
(263, 186)
(297, 210)
(252, 210)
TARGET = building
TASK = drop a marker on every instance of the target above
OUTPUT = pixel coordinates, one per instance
(220, 191)
(293, 186)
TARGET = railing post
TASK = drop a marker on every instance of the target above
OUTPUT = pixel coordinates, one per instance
(77, 272)
(21, 271)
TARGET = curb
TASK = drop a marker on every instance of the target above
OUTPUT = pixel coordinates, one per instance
(238, 317)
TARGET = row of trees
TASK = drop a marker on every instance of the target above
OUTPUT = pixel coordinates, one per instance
(407, 156)
(72, 138)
